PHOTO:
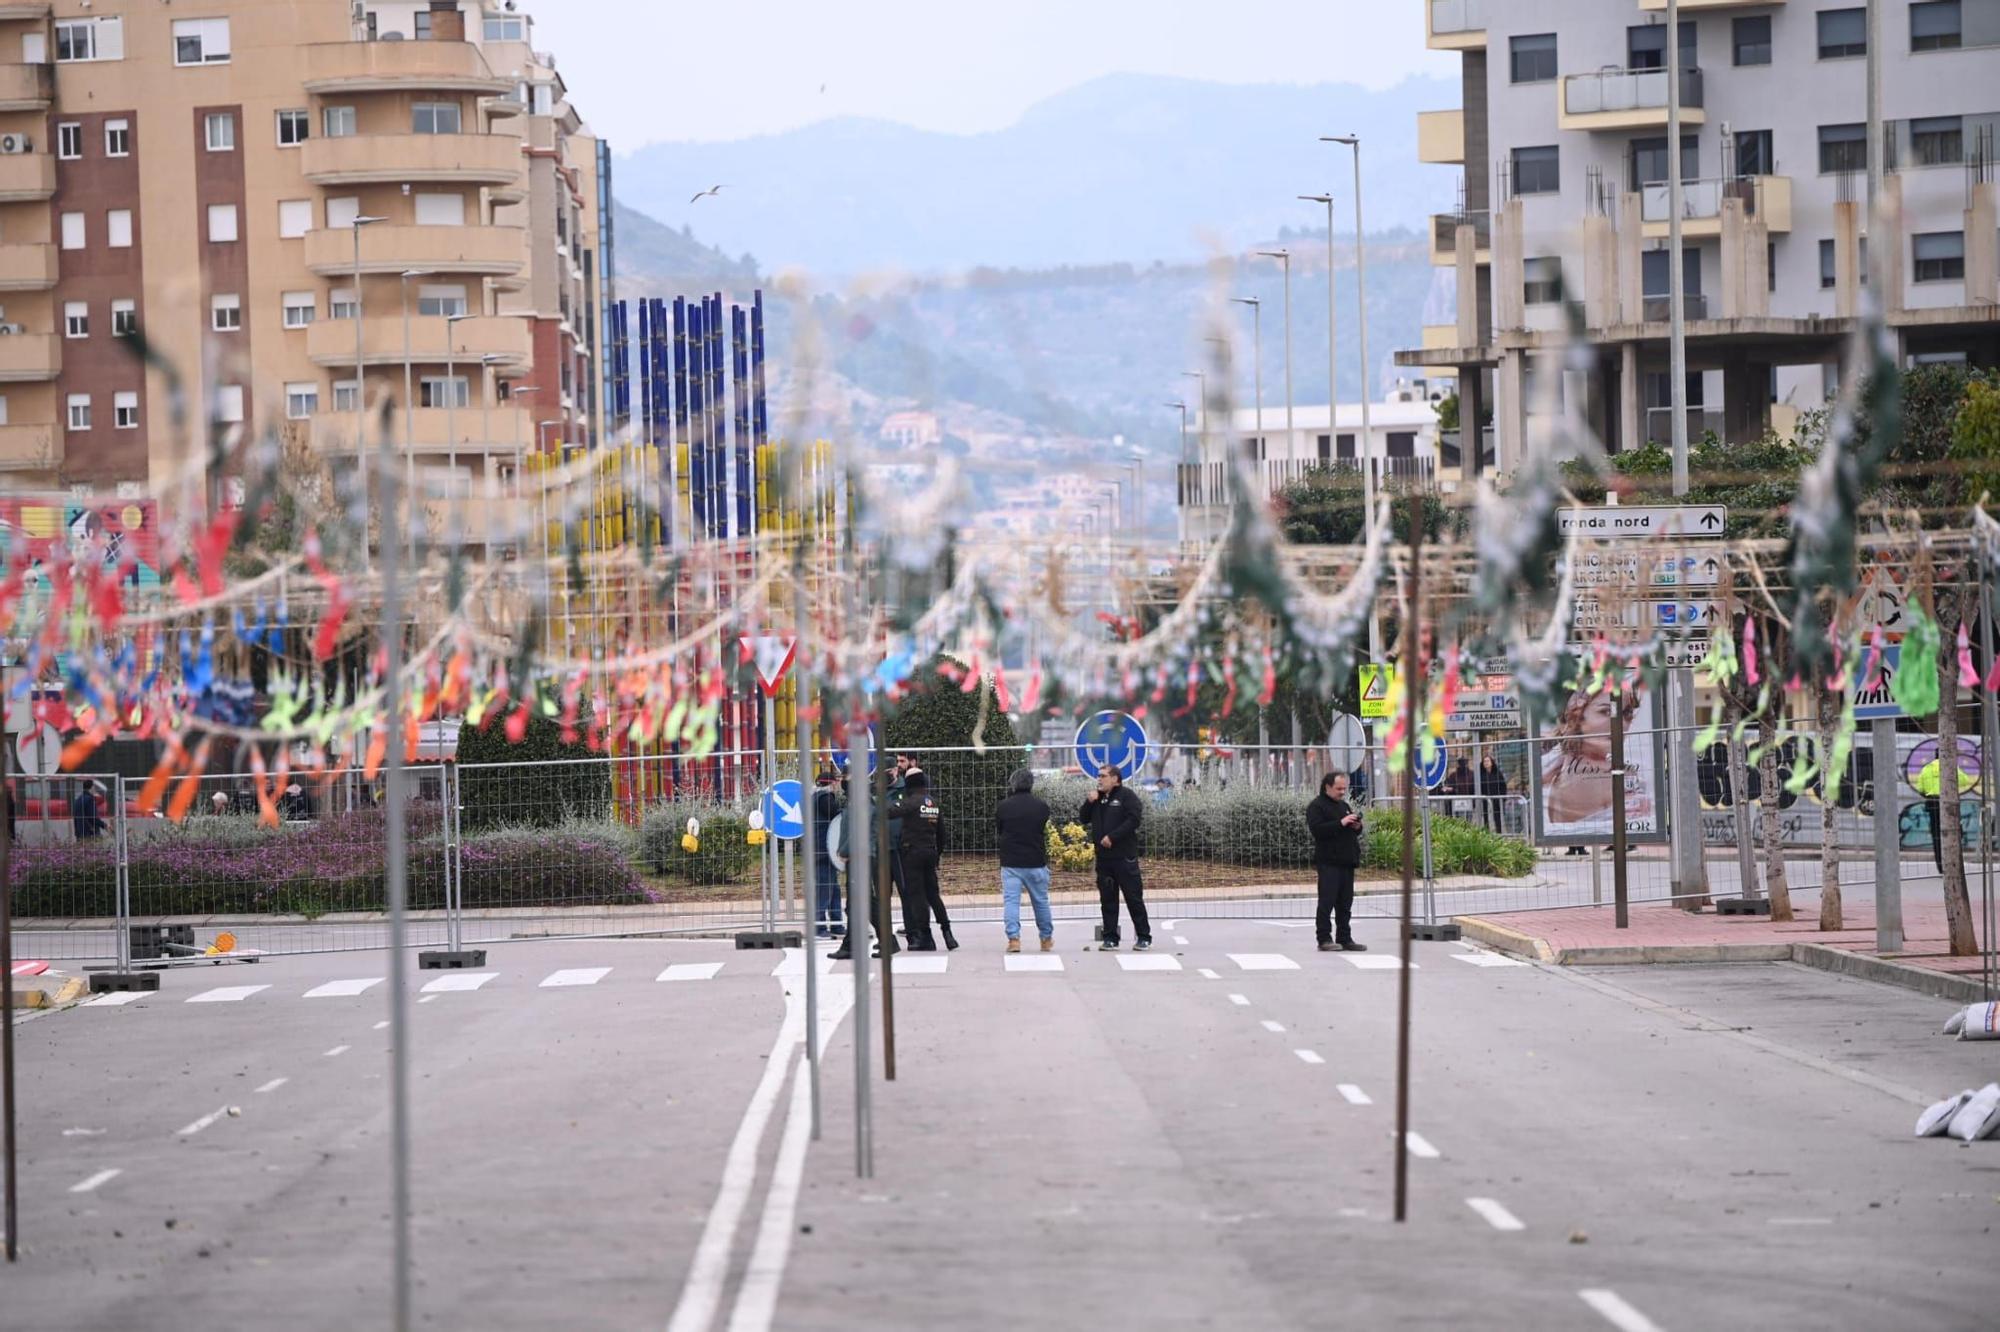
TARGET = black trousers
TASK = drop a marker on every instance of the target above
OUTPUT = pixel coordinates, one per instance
(1116, 876)
(1336, 898)
(1932, 807)
(920, 888)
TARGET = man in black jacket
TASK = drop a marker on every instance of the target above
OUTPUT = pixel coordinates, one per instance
(1112, 813)
(1023, 824)
(919, 836)
(826, 880)
(1336, 832)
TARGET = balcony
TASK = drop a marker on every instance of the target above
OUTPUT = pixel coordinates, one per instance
(28, 358)
(330, 342)
(1441, 137)
(1627, 99)
(10, 13)
(1444, 237)
(27, 448)
(27, 87)
(1700, 421)
(1658, 309)
(335, 68)
(467, 432)
(28, 267)
(502, 251)
(1456, 25)
(1765, 197)
(27, 177)
(394, 159)
(1706, 6)
(482, 520)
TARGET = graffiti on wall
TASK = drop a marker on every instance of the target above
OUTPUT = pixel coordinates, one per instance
(1799, 813)
(124, 533)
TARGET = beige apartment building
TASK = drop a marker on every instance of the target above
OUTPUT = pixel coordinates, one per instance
(309, 208)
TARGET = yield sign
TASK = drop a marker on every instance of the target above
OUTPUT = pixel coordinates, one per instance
(773, 655)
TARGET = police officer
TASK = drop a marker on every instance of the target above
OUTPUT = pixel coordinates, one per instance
(1930, 785)
(850, 829)
(1112, 813)
(920, 837)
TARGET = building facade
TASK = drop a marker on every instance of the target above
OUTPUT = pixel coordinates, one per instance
(310, 210)
(1562, 141)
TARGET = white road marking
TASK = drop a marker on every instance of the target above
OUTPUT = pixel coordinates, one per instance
(1420, 1145)
(1180, 941)
(1353, 1095)
(113, 1000)
(557, 980)
(1496, 1216)
(1263, 962)
(1488, 959)
(336, 1051)
(96, 1181)
(1168, 925)
(1273, 1026)
(1618, 1313)
(1147, 962)
(343, 989)
(273, 1085)
(1307, 1056)
(1799, 1221)
(1208, 973)
(383, 1023)
(1377, 961)
(1287, 924)
(924, 964)
(1240, 1000)
(793, 963)
(227, 994)
(422, 999)
(1032, 962)
(690, 971)
(458, 980)
(203, 1122)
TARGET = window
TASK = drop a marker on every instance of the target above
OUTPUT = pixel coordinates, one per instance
(346, 396)
(79, 411)
(1937, 140)
(118, 226)
(439, 302)
(1534, 58)
(124, 319)
(301, 401)
(440, 210)
(423, 26)
(338, 122)
(434, 118)
(1537, 170)
(1649, 160)
(343, 303)
(1402, 444)
(76, 319)
(221, 223)
(295, 218)
(1939, 255)
(506, 28)
(1752, 40)
(225, 313)
(1842, 33)
(1843, 148)
(1646, 46)
(221, 127)
(1656, 279)
(90, 39)
(1325, 448)
(1826, 266)
(229, 403)
(301, 307)
(1542, 281)
(201, 41)
(341, 212)
(294, 128)
(1936, 26)
(438, 391)
(117, 138)
(72, 231)
(1343, 447)
(1754, 153)
(125, 411)
(1770, 265)
(69, 141)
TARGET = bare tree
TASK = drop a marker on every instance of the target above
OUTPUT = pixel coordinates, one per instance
(1950, 606)
(1741, 699)
(1828, 699)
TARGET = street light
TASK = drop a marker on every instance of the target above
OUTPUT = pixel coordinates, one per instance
(1285, 257)
(1332, 363)
(486, 389)
(520, 391)
(451, 322)
(409, 396)
(360, 377)
(1256, 356)
(1361, 305)
(1200, 379)
(1183, 410)
(542, 446)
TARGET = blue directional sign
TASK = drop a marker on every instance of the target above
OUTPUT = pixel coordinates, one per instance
(784, 810)
(874, 746)
(1879, 704)
(1430, 771)
(1114, 740)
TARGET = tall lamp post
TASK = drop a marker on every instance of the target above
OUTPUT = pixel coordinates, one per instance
(1285, 257)
(360, 382)
(451, 323)
(1361, 306)
(1332, 320)
(542, 444)
(520, 462)
(409, 396)
(1256, 356)
(487, 389)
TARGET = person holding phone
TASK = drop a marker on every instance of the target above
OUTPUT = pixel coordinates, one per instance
(1335, 826)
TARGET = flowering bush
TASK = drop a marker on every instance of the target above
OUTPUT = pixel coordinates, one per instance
(725, 855)
(1069, 847)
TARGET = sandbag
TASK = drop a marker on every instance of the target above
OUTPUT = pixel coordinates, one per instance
(1980, 1022)
(1955, 1022)
(1931, 1123)
(1978, 1117)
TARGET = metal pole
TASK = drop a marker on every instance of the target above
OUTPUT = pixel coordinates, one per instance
(450, 421)
(13, 1217)
(769, 775)
(885, 926)
(360, 385)
(801, 692)
(1361, 307)
(397, 867)
(1989, 772)
(1888, 855)
(1413, 684)
(1430, 884)
(857, 910)
(1618, 812)
(123, 903)
(409, 405)
(1875, 152)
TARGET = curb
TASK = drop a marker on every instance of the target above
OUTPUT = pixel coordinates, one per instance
(1936, 984)
(1504, 940)
(47, 991)
(1667, 954)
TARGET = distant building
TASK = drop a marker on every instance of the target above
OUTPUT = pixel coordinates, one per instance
(912, 430)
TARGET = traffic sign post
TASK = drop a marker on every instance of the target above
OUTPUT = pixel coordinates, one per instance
(784, 810)
(1624, 521)
(1115, 740)
(874, 753)
(1377, 683)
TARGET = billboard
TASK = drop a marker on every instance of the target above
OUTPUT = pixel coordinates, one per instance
(1572, 771)
(42, 530)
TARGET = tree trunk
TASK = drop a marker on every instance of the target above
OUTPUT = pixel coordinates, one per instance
(1776, 886)
(1829, 828)
(1951, 827)
(1739, 801)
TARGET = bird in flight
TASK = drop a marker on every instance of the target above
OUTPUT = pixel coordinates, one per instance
(711, 190)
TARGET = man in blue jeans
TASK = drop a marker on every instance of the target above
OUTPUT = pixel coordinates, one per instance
(826, 879)
(1023, 821)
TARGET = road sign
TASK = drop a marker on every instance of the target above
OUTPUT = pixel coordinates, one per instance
(1883, 604)
(1624, 521)
(1347, 743)
(1878, 703)
(1611, 568)
(36, 751)
(1431, 773)
(874, 746)
(772, 655)
(784, 810)
(1488, 710)
(1376, 682)
(1690, 617)
(1114, 740)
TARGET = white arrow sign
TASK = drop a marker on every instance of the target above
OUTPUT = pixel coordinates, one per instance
(1618, 521)
(772, 655)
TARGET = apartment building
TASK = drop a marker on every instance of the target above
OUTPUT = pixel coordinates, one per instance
(1562, 141)
(309, 208)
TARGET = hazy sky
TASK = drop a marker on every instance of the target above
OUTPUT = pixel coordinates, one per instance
(650, 70)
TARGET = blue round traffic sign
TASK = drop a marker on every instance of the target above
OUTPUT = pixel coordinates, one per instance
(874, 748)
(1430, 770)
(1114, 740)
(784, 810)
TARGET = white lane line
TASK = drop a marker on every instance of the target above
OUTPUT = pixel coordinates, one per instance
(1496, 1216)
(343, 989)
(1169, 925)
(272, 1085)
(336, 1051)
(1273, 1026)
(378, 1026)
(1377, 961)
(113, 1000)
(1420, 1145)
(1032, 962)
(426, 998)
(96, 1181)
(1147, 962)
(458, 980)
(557, 980)
(924, 964)
(793, 963)
(1180, 941)
(1209, 973)
(1353, 1095)
(1263, 962)
(1307, 1056)
(203, 1122)
(1240, 1000)
(690, 971)
(226, 994)
(1487, 959)
(1618, 1313)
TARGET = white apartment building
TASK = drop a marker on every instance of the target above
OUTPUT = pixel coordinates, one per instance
(1561, 137)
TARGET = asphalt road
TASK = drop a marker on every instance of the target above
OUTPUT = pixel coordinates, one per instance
(1207, 1144)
